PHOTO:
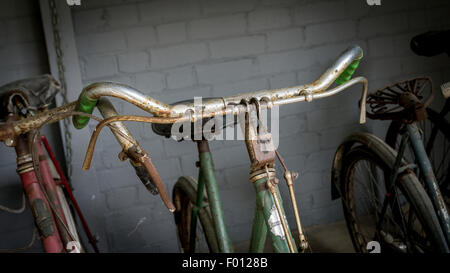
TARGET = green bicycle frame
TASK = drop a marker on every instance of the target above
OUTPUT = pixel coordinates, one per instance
(266, 218)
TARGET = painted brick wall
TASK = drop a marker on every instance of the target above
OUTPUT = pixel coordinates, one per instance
(174, 50)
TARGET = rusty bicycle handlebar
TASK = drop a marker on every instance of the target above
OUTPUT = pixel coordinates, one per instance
(308, 92)
(212, 107)
(94, 95)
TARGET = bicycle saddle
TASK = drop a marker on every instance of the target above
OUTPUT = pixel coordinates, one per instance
(36, 92)
(404, 101)
(166, 129)
(431, 43)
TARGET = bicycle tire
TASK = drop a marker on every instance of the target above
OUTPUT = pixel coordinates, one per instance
(184, 196)
(442, 127)
(409, 186)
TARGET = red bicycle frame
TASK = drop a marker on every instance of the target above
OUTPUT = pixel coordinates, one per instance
(43, 198)
(44, 218)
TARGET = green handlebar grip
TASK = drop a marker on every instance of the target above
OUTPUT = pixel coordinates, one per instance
(87, 106)
(348, 72)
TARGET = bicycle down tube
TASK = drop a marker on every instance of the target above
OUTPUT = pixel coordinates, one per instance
(430, 178)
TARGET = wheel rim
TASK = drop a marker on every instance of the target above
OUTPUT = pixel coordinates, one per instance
(183, 214)
(400, 230)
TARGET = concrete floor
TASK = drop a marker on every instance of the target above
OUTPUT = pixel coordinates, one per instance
(328, 238)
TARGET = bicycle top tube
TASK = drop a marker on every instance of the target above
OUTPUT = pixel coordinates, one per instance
(340, 71)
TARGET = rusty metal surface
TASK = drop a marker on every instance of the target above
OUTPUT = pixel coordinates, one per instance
(262, 150)
(107, 121)
(96, 90)
(214, 107)
(404, 101)
(272, 187)
(36, 121)
(107, 110)
(289, 177)
(143, 158)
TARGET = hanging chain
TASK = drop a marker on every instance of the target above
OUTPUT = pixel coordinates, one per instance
(62, 80)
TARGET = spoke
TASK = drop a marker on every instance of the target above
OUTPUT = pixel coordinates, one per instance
(410, 217)
(421, 88)
(446, 151)
(402, 217)
(366, 190)
(393, 91)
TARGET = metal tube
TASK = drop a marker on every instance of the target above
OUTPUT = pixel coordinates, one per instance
(207, 169)
(99, 89)
(157, 108)
(158, 183)
(259, 231)
(25, 125)
(195, 210)
(214, 107)
(281, 215)
(430, 179)
(265, 201)
(69, 192)
(107, 110)
(334, 91)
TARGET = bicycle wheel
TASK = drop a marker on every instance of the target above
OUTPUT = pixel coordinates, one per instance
(184, 197)
(416, 230)
(436, 139)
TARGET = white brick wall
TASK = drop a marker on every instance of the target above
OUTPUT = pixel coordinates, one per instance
(237, 47)
(217, 26)
(175, 50)
(178, 55)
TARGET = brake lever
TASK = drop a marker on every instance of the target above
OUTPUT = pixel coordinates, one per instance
(145, 178)
(141, 156)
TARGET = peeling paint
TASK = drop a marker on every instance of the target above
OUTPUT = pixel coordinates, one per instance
(275, 223)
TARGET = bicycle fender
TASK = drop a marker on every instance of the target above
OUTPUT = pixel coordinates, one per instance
(363, 138)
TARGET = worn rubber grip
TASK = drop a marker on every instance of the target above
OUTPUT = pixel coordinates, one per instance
(87, 106)
(348, 72)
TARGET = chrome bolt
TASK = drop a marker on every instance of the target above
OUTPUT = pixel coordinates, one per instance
(9, 142)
